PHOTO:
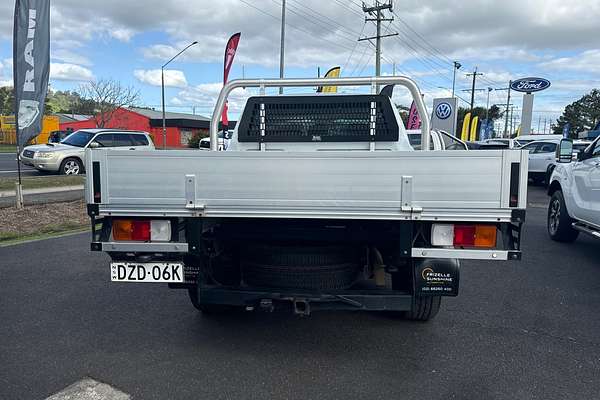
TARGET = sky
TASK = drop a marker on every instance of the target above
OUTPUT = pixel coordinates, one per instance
(129, 41)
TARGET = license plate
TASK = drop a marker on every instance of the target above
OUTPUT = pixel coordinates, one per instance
(146, 272)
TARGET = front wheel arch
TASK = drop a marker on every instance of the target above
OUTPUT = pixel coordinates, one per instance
(72, 158)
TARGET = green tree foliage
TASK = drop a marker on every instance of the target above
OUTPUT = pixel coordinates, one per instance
(583, 114)
(7, 100)
(70, 102)
(480, 112)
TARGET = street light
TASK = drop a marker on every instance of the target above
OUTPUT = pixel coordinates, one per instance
(162, 85)
(457, 66)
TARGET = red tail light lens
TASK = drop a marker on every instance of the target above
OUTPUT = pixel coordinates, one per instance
(464, 235)
(475, 236)
(140, 231)
(126, 229)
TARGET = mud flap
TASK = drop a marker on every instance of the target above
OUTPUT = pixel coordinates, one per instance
(437, 277)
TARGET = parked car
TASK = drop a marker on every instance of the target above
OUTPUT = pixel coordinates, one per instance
(487, 146)
(440, 140)
(575, 193)
(204, 143)
(542, 157)
(67, 157)
(58, 136)
(319, 202)
(508, 143)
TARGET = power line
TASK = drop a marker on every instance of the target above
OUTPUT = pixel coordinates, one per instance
(295, 27)
(377, 14)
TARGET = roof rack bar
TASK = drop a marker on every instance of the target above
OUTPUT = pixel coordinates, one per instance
(308, 82)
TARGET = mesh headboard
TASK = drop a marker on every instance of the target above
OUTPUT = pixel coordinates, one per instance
(326, 118)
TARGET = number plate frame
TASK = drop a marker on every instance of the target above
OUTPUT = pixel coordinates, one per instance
(159, 272)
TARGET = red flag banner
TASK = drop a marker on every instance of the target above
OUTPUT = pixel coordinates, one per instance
(414, 121)
(230, 51)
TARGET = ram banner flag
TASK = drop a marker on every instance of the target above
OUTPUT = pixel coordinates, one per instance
(332, 73)
(31, 65)
(230, 50)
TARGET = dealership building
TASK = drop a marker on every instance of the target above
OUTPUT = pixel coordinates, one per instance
(181, 127)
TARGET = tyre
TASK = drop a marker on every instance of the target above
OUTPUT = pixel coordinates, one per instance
(559, 222)
(208, 308)
(71, 166)
(424, 308)
(301, 267)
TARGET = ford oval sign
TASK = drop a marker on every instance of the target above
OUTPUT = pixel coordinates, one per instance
(530, 85)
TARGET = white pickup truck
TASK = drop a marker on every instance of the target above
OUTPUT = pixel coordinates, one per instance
(575, 189)
(319, 202)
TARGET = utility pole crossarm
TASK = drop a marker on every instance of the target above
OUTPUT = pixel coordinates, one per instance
(376, 12)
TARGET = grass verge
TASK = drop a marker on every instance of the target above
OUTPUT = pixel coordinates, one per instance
(44, 233)
(42, 182)
(42, 221)
(8, 148)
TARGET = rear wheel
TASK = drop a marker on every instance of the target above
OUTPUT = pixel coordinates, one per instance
(71, 166)
(424, 308)
(560, 226)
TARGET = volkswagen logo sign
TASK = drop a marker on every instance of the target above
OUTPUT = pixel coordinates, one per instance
(530, 85)
(443, 110)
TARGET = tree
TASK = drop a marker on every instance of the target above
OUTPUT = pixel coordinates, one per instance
(70, 102)
(7, 100)
(403, 111)
(583, 114)
(494, 113)
(108, 96)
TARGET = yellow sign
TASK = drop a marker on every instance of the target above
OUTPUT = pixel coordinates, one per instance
(464, 135)
(332, 73)
(474, 129)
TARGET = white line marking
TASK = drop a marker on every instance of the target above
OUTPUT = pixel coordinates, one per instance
(89, 389)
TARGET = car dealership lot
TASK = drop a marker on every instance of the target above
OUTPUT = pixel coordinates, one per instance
(519, 330)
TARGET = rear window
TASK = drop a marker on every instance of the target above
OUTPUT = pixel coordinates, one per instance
(122, 140)
(139, 140)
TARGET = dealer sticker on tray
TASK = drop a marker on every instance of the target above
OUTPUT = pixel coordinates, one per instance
(146, 272)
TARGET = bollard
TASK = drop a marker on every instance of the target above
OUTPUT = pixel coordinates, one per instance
(19, 195)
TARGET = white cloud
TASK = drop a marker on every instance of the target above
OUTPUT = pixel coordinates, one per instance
(173, 77)
(70, 57)
(587, 61)
(205, 96)
(6, 82)
(70, 72)
(122, 34)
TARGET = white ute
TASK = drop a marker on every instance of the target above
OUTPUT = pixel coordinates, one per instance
(319, 202)
(575, 193)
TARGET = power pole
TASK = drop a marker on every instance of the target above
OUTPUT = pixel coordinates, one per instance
(377, 14)
(475, 74)
(507, 105)
(456, 67)
(539, 123)
(282, 48)
(487, 107)
(545, 120)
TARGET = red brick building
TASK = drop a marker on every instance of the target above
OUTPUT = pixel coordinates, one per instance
(180, 127)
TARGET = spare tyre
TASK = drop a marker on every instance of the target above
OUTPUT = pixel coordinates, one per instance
(301, 267)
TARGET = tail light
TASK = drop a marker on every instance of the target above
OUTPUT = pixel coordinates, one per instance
(155, 230)
(479, 236)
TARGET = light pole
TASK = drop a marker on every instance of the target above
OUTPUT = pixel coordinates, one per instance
(162, 86)
(457, 66)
